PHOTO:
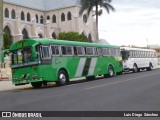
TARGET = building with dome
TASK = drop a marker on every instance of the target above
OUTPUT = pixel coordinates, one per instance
(45, 19)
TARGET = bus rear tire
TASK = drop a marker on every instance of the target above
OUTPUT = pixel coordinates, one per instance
(150, 67)
(36, 84)
(110, 72)
(62, 78)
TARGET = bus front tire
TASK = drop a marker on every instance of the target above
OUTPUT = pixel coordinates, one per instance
(150, 67)
(135, 69)
(62, 78)
(36, 84)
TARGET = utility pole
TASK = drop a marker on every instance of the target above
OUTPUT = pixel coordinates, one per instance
(1, 27)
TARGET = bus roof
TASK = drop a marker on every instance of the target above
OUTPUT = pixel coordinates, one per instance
(138, 49)
(44, 41)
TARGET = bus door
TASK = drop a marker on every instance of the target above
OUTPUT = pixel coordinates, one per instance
(46, 55)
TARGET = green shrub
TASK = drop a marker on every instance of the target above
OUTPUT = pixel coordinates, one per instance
(73, 36)
(7, 40)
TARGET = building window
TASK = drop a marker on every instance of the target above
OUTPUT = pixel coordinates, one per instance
(6, 14)
(85, 18)
(40, 35)
(90, 38)
(25, 34)
(54, 19)
(41, 19)
(63, 17)
(28, 17)
(22, 16)
(7, 30)
(69, 16)
(48, 17)
(36, 18)
(54, 35)
(13, 14)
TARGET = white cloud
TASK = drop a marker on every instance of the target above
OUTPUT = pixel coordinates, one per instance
(132, 23)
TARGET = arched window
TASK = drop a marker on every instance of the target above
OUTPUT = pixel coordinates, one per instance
(6, 13)
(7, 30)
(85, 18)
(25, 34)
(63, 17)
(90, 38)
(54, 35)
(13, 14)
(48, 17)
(40, 35)
(22, 16)
(54, 19)
(28, 17)
(69, 16)
(41, 19)
(36, 18)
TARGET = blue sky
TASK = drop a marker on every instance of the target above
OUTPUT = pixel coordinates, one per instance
(133, 23)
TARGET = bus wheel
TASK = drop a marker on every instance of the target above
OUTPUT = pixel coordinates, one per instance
(36, 84)
(150, 67)
(135, 69)
(62, 78)
(110, 72)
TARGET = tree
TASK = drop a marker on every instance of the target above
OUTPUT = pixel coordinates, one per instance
(7, 40)
(90, 4)
(73, 36)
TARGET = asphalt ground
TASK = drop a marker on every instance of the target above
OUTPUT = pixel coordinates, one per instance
(129, 92)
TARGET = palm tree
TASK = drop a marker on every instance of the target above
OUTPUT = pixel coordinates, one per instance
(90, 4)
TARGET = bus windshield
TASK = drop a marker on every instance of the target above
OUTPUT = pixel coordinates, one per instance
(21, 55)
(125, 55)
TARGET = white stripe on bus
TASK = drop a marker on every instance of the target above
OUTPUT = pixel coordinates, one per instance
(80, 67)
(92, 66)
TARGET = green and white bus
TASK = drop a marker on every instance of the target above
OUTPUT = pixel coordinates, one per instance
(38, 61)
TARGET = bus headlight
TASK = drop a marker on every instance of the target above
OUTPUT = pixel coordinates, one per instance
(34, 75)
(15, 78)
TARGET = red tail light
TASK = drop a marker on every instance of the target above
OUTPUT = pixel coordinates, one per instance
(13, 70)
(35, 67)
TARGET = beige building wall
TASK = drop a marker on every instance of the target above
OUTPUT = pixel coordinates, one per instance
(48, 28)
(1, 26)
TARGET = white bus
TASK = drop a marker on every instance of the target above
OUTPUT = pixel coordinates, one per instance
(135, 59)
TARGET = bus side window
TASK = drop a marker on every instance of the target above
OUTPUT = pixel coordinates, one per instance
(45, 52)
(75, 51)
(79, 51)
(55, 50)
(64, 50)
(69, 50)
(89, 51)
(99, 51)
